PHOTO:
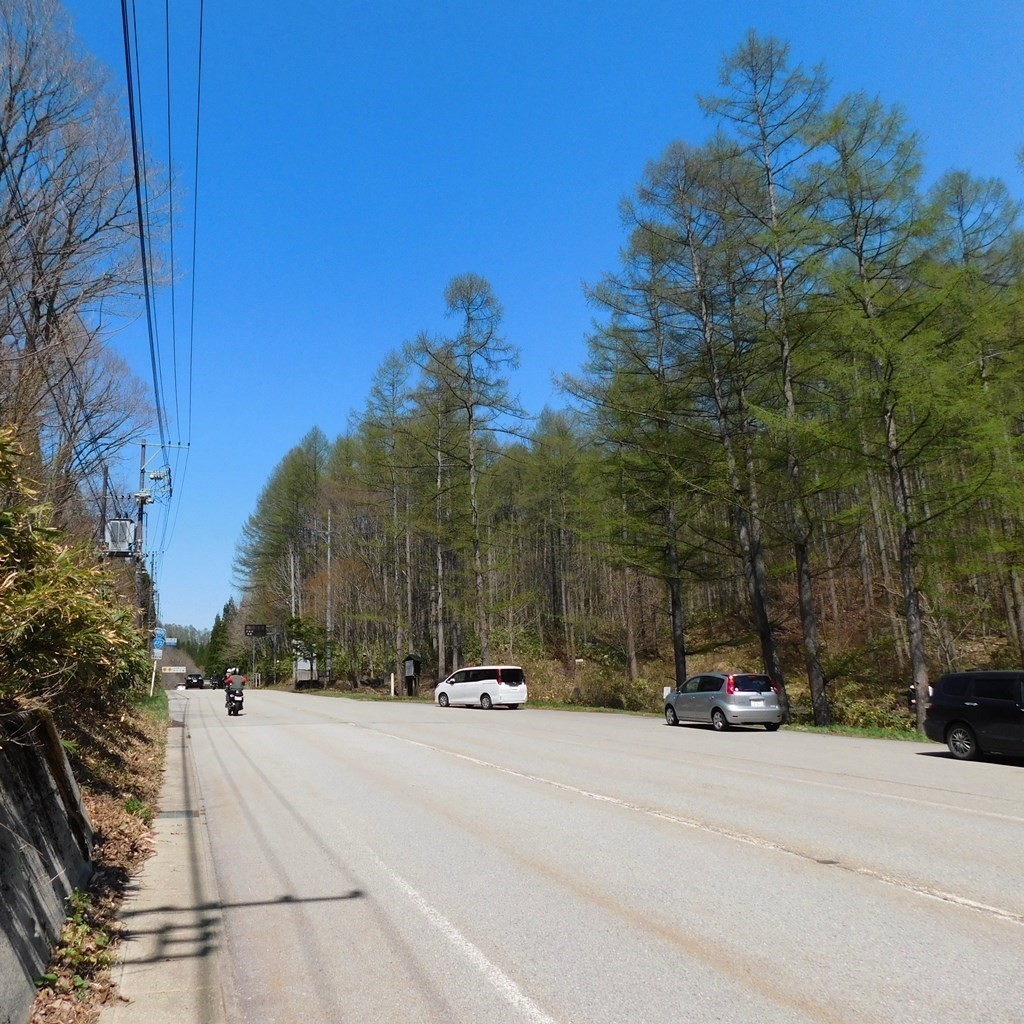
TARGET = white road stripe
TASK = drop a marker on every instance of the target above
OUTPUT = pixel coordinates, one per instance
(728, 833)
(506, 987)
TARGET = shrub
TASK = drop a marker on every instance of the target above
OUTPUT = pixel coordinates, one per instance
(66, 640)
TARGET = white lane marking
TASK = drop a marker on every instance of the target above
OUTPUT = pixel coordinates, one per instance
(897, 797)
(506, 987)
(727, 833)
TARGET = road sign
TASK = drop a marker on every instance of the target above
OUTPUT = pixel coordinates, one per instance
(160, 632)
(253, 629)
(171, 641)
(173, 669)
(158, 643)
(158, 653)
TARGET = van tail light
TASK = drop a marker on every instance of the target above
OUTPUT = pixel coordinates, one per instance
(498, 674)
(730, 684)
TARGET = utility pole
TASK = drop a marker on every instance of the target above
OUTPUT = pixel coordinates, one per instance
(143, 496)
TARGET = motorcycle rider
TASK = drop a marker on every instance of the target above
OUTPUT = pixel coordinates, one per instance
(234, 683)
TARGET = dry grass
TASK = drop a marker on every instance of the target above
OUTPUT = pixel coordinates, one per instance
(119, 766)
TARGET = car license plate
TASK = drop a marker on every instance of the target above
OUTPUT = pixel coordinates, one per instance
(757, 703)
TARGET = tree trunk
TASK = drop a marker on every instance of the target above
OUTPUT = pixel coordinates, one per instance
(632, 671)
(439, 624)
(676, 601)
(907, 541)
(483, 633)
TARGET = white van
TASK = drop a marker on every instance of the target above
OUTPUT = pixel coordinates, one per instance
(483, 685)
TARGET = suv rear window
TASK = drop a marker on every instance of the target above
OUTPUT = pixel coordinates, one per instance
(753, 684)
(994, 688)
(955, 686)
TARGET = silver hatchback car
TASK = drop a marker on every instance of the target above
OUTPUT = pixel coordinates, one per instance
(724, 699)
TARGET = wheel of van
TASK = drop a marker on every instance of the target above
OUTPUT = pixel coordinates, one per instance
(961, 742)
(771, 726)
(485, 702)
(718, 722)
(442, 699)
(670, 715)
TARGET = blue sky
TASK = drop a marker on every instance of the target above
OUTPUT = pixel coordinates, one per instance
(355, 156)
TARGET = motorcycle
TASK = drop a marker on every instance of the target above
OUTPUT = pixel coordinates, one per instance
(235, 701)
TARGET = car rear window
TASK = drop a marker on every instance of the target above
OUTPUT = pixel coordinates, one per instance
(511, 676)
(753, 684)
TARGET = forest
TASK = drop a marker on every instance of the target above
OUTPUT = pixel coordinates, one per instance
(795, 446)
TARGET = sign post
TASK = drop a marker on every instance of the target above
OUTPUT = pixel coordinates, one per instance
(159, 637)
(255, 629)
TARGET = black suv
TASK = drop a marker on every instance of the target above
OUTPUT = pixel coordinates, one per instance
(193, 681)
(977, 712)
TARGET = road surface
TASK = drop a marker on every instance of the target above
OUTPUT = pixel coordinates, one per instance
(398, 862)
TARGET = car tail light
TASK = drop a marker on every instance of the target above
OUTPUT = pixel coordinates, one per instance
(775, 689)
(730, 684)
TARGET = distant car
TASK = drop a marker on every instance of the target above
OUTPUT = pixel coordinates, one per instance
(484, 686)
(724, 699)
(977, 713)
(193, 681)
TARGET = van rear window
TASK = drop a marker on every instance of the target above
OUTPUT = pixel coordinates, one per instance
(511, 676)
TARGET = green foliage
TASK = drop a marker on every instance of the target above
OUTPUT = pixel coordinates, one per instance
(864, 707)
(156, 706)
(66, 640)
(83, 949)
(139, 809)
(193, 642)
(802, 397)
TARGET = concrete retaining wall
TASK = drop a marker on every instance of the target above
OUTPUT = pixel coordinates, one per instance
(45, 853)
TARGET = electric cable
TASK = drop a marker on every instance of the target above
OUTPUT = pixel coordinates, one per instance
(141, 226)
(170, 201)
(146, 192)
(195, 218)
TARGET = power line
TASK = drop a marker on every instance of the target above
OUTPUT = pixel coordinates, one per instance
(195, 218)
(141, 225)
(170, 200)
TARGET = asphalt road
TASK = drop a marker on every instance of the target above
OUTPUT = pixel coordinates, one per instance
(400, 862)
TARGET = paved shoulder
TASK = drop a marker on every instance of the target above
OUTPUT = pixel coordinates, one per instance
(173, 966)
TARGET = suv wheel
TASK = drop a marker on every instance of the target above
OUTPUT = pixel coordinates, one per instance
(961, 742)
